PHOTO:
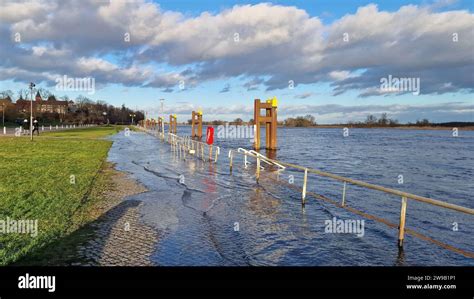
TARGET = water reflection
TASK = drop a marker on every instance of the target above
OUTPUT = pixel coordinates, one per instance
(400, 260)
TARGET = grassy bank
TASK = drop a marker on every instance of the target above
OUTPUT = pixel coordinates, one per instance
(48, 180)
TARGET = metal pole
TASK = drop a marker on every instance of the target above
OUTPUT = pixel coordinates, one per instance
(257, 174)
(401, 232)
(230, 160)
(344, 194)
(31, 111)
(305, 180)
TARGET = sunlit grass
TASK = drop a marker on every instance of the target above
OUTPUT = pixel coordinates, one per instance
(47, 179)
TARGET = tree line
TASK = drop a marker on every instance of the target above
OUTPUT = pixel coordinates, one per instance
(82, 110)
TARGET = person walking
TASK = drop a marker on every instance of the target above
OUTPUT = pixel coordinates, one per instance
(36, 127)
(26, 127)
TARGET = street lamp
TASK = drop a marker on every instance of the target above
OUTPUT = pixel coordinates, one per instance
(105, 117)
(32, 85)
(132, 115)
(162, 100)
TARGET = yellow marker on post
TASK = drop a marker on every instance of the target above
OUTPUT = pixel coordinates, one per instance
(274, 102)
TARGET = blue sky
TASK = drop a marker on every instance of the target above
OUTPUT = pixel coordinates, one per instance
(188, 41)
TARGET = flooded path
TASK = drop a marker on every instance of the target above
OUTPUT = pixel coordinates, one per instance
(205, 216)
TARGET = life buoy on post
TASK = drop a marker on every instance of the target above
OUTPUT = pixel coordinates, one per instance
(210, 135)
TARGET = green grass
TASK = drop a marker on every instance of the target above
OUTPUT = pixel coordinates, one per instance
(35, 183)
(94, 132)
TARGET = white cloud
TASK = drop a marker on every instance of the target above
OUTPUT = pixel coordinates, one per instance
(278, 43)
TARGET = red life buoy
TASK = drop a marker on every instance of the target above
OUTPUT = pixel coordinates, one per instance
(210, 135)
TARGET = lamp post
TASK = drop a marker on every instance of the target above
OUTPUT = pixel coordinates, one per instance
(162, 100)
(105, 117)
(133, 115)
(32, 85)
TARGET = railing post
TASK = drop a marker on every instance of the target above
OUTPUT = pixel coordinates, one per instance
(218, 151)
(305, 180)
(401, 232)
(257, 172)
(202, 152)
(344, 194)
(230, 160)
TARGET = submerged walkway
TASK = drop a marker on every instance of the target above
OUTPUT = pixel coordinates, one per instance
(189, 213)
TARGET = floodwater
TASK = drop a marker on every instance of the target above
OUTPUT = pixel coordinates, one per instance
(206, 216)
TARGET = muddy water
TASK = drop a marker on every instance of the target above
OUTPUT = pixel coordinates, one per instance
(205, 216)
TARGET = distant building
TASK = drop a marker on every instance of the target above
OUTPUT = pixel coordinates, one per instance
(51, 105)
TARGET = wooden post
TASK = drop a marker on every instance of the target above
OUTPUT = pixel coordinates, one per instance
(401, 232)
(173, 123)
(270, 121)
(305, 180)
(274, 126)
(196, 124)
(230, 160)
(268, 129)
(256, 119)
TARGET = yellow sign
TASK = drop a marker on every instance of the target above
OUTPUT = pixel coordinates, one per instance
(273, 101)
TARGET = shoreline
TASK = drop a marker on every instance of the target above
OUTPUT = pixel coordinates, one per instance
(106, 231)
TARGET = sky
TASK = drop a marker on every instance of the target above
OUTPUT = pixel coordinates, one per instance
(325, 58)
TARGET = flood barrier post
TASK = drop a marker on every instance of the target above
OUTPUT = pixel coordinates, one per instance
(196, 124)
(270, 121)
(403, 211)
(173, 123)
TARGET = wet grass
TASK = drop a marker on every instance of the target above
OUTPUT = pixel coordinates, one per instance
(49, 180)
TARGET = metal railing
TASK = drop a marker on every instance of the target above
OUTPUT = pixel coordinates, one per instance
(404, 195)
(187, 146)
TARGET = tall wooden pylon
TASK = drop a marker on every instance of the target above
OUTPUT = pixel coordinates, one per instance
(173, 123)
(196, 124)
(270, 121)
